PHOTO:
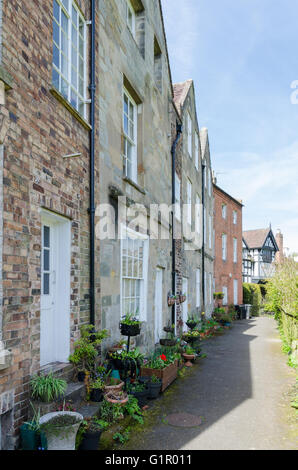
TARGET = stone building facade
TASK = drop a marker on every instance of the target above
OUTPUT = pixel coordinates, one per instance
(194, 184)
(135, 159)
(228, 247)
(44, 138)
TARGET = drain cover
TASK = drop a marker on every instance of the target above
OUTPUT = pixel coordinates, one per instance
(184, 420)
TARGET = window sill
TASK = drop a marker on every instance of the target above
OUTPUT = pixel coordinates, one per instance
(6, 359)
(70, 108)
(135, 185)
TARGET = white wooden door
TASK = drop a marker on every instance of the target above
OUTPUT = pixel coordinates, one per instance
(158, 305)
(55, 290)
(185, 304)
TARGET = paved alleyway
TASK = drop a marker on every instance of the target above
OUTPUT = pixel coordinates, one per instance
(241, 392)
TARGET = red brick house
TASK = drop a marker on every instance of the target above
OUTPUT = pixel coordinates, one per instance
(45, 184)
(228, 247)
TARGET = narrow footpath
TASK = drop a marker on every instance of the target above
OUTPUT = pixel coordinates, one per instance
(240, 391)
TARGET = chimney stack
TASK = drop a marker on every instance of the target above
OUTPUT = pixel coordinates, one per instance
(280, 243)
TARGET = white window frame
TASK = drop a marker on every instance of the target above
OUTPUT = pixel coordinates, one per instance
(130, 10)
(210, 232)
(197, 151)
(189, 201)
(235, 250)
(198, 215)
(189, 134)
(225, 292)
(198, 288)
(177, 197)
(224, 240)
(133, 235)
(131, 140)
(205, 225)
(224, 211)
(235, 217)
(69, 81)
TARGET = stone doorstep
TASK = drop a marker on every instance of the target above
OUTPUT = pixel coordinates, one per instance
(59, 369)
(89, 409)
(75, 394)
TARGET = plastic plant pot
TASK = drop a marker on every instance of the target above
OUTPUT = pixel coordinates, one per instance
(96, 395)
(90, 441)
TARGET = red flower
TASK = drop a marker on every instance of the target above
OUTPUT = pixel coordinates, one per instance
(163, 357)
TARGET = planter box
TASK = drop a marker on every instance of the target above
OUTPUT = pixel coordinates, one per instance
(167, 375)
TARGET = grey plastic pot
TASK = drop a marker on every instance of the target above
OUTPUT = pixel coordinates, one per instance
(63, 438)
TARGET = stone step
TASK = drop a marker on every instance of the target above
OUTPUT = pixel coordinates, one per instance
(62, 370)
(75, 394)
(89, 410)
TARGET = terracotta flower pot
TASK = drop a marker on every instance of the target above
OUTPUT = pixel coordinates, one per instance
(188, 358)
(114, 388)
(110, 398)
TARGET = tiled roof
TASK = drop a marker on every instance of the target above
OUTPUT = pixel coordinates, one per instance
(180, 93)
(256, 238)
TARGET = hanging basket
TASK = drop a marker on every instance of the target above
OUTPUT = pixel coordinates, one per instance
(130, 330)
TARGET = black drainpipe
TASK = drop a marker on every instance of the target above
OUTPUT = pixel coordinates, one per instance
(173, 152)
(92, 89)
(203, 238)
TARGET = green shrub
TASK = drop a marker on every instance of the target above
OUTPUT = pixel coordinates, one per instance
(282, 299)
(252, 295)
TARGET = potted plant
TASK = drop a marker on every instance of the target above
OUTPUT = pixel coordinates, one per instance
(96, 390)
(154, 387)
(170, 340)
(139, 391)
(47, 388)
(189, 355)
(31, 436)
(171, 300)
(119, 398)
(163, 367)
(192, 321)
(113, 385)
(61, 429)
(90, 432)
(130, 325)
(86, 350)
(169, 328)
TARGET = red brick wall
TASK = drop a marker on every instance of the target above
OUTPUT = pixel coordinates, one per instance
(223, 269)
(36, 176)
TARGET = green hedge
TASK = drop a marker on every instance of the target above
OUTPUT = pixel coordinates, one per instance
(252, 295)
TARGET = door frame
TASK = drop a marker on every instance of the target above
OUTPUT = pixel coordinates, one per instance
(59, 349)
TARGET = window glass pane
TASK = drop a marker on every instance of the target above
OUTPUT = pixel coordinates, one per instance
(56, 56)
(46, 260)
(74, 16)
(55, 79)
(125, 104)
(131, 130)
(64, 88)
(74, 36)
(46, 237)
(64, 65)
(64, 44)
(56, 11)
(81, 68)
(81, 46)
(66, 4)
(56, 32)
(46, 284)
(74, 99)
(64, 21)
(81, 27)
(125, 124)
(74, 58)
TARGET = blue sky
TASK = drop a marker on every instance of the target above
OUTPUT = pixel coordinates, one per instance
(243, 57)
